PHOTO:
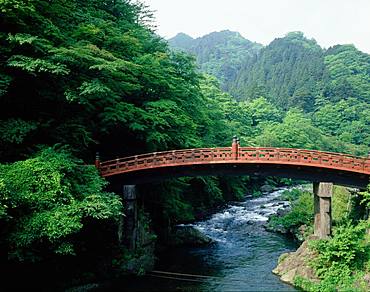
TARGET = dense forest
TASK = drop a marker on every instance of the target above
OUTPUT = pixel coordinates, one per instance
(300, 80)
(221, 54)
(77, 77)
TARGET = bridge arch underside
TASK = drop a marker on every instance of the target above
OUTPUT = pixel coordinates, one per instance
(307, 173)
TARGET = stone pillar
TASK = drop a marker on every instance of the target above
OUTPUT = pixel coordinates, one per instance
(128, 228)
(234, 148)
(323, 192)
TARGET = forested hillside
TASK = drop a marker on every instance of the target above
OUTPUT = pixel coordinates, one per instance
(221, 54)
(289, 71)
(327, 90)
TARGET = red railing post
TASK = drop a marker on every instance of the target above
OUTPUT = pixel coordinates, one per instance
(154, 162)
(238, 149)
(97, 160)
(234, 148)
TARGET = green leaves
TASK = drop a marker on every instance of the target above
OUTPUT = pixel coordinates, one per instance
(164, 118)
(22, 38)
(282, 72)
(14, 6)
(4, 83)
(341, 259)
(301, 213)
(48, 197)
(220, 54)
(16, 130)
(348, 70)
(296, 131)
(36, 65)
(347, 119)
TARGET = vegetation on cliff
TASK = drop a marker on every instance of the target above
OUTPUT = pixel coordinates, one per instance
(341, 262)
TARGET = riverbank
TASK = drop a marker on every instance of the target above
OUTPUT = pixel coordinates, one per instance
(341, 262)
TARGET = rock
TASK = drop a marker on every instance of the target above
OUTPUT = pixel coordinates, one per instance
(367, 279)
(266, 189)
(282, 211)
(294, 264)
(188, 236)
(289, 276)
(283, 256)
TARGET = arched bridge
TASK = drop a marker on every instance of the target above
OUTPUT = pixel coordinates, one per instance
(303, 164)
(322, 168)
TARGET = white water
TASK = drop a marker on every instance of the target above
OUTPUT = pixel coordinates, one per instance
(247, 212)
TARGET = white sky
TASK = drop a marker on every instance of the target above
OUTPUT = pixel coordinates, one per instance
(330, 22)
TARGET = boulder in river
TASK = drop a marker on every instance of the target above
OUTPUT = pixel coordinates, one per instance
(294, 264)
(282, 211)
(188, 236)
(266, 189)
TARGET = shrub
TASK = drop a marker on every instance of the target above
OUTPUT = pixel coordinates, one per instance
(301, 213)
(291, 195)
(47, 199)
(341, 260)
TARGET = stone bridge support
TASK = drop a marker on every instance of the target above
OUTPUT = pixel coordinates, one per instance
(323, 193)
(127, 229)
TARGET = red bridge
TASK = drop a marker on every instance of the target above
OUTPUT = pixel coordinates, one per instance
(322, 168)
(303, 164)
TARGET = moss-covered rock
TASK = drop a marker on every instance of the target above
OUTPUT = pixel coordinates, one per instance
(188, 236)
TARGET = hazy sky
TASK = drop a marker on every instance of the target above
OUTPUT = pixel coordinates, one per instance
(330, 22)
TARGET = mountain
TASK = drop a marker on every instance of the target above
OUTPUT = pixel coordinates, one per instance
(292, 71)
(221, 54)
(181, 41)
(348, 71)
(289, 72)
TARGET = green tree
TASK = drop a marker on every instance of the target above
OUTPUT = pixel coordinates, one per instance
(45, 201)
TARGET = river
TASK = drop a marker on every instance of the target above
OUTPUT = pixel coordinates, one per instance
(241, 259)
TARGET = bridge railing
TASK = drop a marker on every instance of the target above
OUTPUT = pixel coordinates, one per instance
(305, 157)
(248, 154)
(167, 158)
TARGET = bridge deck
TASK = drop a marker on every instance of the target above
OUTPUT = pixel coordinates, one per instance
(244, 155)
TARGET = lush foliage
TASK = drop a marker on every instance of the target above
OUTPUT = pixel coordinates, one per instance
(82, 73)
(342, 205)
(46, 200)
(221, 54)
(316, 98)
(301, 212)
(341, 260)
(366, 197)
(288, 69)
(291, 195)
